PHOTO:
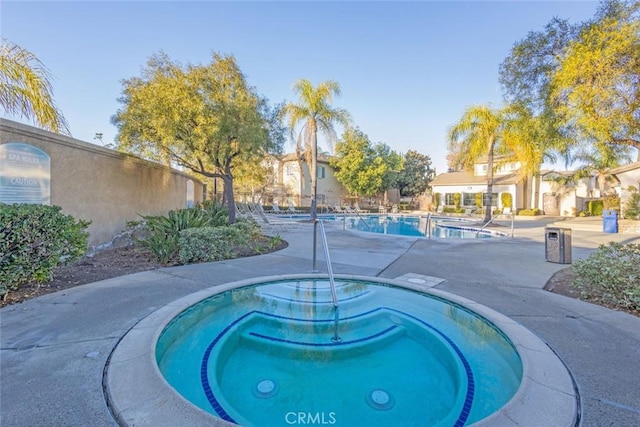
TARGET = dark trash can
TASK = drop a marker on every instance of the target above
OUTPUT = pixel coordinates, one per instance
(610, 221)
(557, 245)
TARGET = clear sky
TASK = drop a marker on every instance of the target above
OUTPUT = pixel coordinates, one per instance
(407, 70)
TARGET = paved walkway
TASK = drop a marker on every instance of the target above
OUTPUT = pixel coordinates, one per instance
(54, 348)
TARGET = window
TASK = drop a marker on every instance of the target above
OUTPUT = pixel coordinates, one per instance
(468, 199)
(494, 199)
(291, 169)
(320, 172)
(448, 199)
(481, 169)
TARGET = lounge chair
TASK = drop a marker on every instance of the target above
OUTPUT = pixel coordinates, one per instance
(274, 224)
(242, 210)
(276, 209)
(292, 209)
(338, 209)
(349, 210)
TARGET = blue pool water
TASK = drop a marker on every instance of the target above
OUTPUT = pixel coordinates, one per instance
(408, 225)
(441, 227)
(280, 354)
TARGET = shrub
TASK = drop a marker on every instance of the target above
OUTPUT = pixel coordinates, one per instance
(456, 200)
(207, 244)
(611, 202)
(164, 231)
(479, 199)
(530, 212)
(248, 227)
(216, 214)
(506, 199)
(595, 207)
(632, 207)
(34, 239)
(436, 199)
(448, 209)
(611, 274)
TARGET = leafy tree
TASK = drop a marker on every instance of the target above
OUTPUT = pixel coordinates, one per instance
(395, 166)
(596, 88)
(25, 88)
(581, 81)
(524, 139)
(358, 165)
(314, 110)
(252, 177)
(477, 134)
(203, 118)
(416, 174)
(525, 75)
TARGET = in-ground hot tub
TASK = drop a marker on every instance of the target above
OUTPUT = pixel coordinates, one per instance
(275, 351)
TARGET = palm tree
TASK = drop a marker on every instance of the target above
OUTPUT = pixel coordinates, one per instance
(528, 140)
(314, 109)
(475, 136)
(25, 89)
(598, 162)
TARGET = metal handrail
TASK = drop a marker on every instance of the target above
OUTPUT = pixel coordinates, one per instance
(332, 282)
(427, 229)
(344, 221)
(362, 219)
(491, 220)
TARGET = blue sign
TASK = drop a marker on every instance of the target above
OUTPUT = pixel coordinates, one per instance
(25, 174)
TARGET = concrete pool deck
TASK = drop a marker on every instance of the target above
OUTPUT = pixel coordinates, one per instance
(54, 348)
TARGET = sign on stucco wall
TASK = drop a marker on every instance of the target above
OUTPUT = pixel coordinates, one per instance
(25, 174)
(190, 194)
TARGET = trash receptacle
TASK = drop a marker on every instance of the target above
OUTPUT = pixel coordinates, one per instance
(557, 245)
(610, 221)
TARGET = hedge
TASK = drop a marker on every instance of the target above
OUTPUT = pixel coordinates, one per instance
(34, 239)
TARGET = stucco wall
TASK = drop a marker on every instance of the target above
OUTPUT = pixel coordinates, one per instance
(102, 185)
(328, 186)
(628, 178)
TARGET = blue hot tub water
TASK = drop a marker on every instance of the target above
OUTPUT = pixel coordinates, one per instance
(268, 355)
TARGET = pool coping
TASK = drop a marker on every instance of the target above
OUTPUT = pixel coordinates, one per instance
(138, 395)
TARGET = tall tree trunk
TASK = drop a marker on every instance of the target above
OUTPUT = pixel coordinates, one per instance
(488, 210)
(228, 195)
(526, 192)
(536, 191)
(313, 172)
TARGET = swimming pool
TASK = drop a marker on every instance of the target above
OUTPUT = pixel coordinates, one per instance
(408, 225)
(267, 355)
